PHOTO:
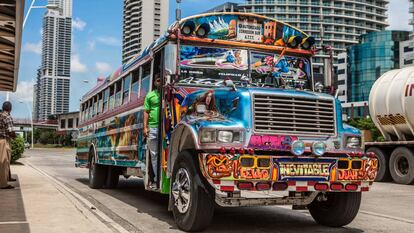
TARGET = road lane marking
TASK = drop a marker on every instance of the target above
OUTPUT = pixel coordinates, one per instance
(387, 216)
(14, 222)
(81, 203)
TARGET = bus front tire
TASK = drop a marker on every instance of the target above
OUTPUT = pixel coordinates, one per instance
(193, 207)
(339, 209)
(97, 174)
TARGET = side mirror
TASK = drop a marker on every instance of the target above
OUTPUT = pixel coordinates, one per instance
(201, 108)
(339, 92)
(168, 74)
(230, 83)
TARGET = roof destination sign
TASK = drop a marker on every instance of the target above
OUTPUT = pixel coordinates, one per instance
(249, 31)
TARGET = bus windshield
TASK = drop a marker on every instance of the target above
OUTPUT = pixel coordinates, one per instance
(210, 66)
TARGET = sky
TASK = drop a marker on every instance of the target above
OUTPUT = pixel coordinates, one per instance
(97, 44)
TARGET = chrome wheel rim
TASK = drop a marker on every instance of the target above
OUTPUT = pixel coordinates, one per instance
(181, 190)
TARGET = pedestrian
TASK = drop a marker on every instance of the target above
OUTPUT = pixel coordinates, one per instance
(151, 125)
(6, 134)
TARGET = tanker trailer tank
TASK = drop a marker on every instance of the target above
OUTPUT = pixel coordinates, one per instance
(391, 105)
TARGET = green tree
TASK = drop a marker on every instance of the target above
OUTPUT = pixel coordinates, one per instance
(17, 148)
(367, 124)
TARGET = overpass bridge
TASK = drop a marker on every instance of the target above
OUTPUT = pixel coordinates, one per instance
(25, 125)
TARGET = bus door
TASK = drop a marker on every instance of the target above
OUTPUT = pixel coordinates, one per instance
(156, 71)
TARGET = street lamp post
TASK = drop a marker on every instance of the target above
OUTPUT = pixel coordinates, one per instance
(31, 120)
(49, 6)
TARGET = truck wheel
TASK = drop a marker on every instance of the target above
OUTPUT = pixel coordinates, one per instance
(402, 165)
(97, 174)
(113, 177)
(193, 208)
(337, 210)
(383, 165)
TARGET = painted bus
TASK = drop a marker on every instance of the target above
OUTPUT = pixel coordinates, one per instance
(242, 123)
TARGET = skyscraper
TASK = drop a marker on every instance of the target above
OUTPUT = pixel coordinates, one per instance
(407, 47)
(340, 22)
(144, 22)
(53, 78)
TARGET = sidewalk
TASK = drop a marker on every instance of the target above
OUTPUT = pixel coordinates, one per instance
(37, 205)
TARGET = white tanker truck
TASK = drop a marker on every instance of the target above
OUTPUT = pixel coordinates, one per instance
(391, 105)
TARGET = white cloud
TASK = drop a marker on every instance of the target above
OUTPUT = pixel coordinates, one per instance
(33, 47)
(76, 65)
(91, 45)
(78, 24)
(24, 92)
(103, 67)
(109, 40)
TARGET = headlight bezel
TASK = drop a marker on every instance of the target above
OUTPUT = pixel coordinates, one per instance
(237, 136)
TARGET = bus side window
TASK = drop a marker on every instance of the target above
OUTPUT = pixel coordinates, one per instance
(99, 104)
(127, 84)
(86, 111)
(118, 95)
(94, 102)
(111, 97)
(82, 112)
(105, 100)
(89, 109)
(135, 85)
(146, 80)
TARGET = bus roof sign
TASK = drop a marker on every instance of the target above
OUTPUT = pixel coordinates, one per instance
(239, 27)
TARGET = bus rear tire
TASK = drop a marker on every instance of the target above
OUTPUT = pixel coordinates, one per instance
(338, 210)
(97, 174)
(193, 207)
(112, 177)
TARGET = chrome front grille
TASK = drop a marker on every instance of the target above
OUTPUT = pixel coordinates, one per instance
(293, 115)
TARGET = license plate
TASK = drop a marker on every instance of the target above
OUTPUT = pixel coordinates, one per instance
(306, 169)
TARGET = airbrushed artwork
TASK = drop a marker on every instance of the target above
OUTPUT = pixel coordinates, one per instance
(280, 71)
(273, 168)
(211, 66)
(245, 29)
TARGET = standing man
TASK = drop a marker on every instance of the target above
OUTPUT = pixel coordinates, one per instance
(6, 134)
(151, 123)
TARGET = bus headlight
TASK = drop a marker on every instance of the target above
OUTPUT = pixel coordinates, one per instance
(225, 136)
(353, 142)
(208, 136)
(298, 147)
(318, 148)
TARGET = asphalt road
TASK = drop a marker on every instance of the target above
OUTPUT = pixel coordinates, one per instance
(387, 207)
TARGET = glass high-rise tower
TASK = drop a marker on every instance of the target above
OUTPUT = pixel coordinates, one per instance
(53, 77)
